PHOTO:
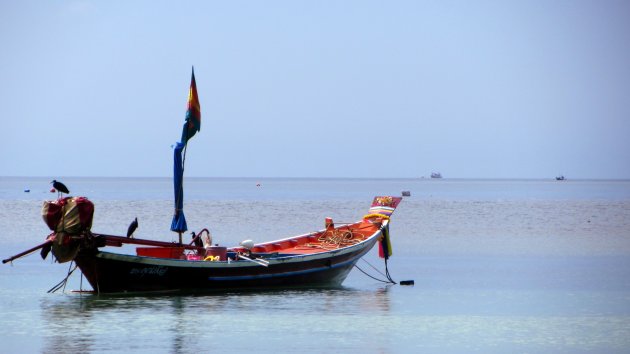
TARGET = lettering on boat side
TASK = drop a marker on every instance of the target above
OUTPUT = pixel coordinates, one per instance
(141, 272)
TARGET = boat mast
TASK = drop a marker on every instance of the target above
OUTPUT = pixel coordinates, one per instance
(191, 126)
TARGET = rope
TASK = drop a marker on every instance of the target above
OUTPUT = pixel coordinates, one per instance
(373, 267)
(64, 281)
(334, 239)
(375, 278)
(389, 278)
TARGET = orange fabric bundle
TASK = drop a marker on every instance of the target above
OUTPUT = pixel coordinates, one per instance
(72, 215)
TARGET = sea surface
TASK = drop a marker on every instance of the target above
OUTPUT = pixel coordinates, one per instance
(500, 266)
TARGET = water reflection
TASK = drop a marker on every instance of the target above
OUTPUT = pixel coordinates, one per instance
(63, 320)
(86, 323)
(179, 324)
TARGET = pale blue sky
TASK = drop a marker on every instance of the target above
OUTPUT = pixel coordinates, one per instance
(489, 89)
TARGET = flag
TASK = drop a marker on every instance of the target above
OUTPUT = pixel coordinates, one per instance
(385, 246)
(193, 113)
(191, 126)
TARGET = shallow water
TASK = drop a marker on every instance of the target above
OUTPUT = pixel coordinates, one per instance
(499, 266)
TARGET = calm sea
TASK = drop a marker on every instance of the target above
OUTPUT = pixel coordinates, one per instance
(500, 266)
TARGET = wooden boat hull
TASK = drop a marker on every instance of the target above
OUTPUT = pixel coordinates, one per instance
(120, 273)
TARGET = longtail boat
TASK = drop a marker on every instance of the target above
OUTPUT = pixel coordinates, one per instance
(321, 258)
(317, 259)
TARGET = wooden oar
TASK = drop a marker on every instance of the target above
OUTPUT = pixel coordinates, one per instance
(257, 261)
(111, 240)
(27, 252)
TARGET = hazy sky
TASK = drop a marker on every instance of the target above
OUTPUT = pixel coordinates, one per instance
(490, 89)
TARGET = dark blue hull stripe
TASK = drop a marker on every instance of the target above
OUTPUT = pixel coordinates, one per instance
(279, 275)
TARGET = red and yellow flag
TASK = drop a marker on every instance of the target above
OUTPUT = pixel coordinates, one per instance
(193, 113)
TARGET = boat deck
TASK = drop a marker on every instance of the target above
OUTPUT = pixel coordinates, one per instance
(327, 240)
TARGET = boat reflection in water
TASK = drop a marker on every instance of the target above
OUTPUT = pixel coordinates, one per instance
(88, 323)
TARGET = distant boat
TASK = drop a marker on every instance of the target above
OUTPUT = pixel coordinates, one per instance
(436, 175)
(560, 178)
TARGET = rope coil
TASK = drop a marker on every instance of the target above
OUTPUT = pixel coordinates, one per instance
(334, 239)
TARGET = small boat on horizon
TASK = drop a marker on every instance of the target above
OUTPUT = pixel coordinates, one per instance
(436, 175)
(560, 178)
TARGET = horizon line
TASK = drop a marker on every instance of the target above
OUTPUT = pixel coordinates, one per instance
(340, 177)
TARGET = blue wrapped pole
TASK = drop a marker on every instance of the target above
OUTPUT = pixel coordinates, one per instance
(179, 220)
